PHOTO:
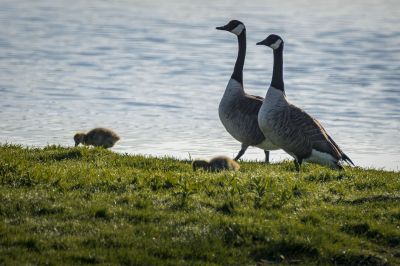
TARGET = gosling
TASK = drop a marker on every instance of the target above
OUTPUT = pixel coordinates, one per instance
(98, 137)
(216, 164)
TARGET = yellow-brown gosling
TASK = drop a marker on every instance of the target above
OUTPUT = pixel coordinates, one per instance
(216, 164)
(99, 137)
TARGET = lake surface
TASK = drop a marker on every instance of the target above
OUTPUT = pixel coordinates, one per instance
(154, 71)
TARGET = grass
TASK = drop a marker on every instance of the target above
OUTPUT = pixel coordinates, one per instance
(75, 206)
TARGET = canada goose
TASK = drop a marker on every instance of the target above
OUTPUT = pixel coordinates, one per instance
(99, 137)
(238, 110)
(216, 164)
(291, 128)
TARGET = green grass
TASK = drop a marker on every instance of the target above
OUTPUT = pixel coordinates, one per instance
(92, 206)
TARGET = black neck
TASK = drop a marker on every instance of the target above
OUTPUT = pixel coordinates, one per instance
(238, 70)
(277, 74)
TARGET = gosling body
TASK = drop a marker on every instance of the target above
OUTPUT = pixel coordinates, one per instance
(98, 137)
(216, 164)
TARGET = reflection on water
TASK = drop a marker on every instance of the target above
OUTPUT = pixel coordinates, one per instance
(155, 71)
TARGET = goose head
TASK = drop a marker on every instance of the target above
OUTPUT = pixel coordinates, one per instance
(234, 26)
(273, 41)
(78, 138)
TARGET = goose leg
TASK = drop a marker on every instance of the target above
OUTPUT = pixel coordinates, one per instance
(297, 164)
(266, 156)
(241, 152)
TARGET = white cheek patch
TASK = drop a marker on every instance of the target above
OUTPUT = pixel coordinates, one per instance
(238, 30)
(276, 44)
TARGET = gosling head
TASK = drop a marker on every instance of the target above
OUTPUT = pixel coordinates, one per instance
(200, 164)
(78, 138)
(273, 41)
(234, 26)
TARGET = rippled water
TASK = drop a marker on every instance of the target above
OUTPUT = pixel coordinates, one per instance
(154, 71)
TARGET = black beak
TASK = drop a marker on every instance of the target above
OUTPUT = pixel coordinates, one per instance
(264, 42)
(222, 27)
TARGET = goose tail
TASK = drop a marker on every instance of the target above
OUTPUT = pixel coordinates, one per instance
(347, 159)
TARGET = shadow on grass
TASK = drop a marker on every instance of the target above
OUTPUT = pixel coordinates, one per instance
(52, 155)
(361, 229)
(364, 230)
(86, 259)
(284, 251)
(326, 176)
(227, 208)
(374, 198)
(43, 211)
(102, 214)
(30, 244)
(359, 259)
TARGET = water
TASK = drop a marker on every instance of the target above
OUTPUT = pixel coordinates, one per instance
(154, 71)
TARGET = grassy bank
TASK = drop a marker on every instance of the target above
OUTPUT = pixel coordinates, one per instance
(92, 206)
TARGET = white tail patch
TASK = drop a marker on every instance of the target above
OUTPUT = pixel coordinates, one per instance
(322, 158)
(276, 44)
(238, 30)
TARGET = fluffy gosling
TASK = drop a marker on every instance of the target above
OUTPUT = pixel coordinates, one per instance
(98, 137)
(216, 164)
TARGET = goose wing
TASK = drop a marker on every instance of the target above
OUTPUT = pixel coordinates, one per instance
(304, 133)
(256, 97)
(247, 109)
(250, 105)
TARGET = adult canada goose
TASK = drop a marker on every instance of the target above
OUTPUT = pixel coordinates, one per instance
(216, 164)
(99, 137)
(291, 128)
(238, 110)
